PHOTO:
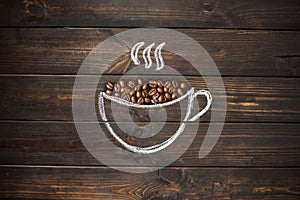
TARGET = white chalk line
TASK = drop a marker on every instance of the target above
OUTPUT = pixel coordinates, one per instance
(134, 55)
(147, 55)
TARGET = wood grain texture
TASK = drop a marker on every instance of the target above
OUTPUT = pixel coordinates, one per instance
(256, 47)
(240, 144)
(236, 52)
(249, 99)
(169, 183)
(250, 14)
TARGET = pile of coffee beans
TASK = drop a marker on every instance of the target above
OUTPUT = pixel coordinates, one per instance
(147, 92)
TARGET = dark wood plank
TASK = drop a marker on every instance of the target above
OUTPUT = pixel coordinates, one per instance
(250, 14)
(57, 143)
(249, 99)
(236, 52)
(168, 183)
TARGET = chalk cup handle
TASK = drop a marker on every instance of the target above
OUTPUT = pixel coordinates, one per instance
(208, 103)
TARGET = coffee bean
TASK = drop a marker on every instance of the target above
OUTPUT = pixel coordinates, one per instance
(152, 92)
(109, 85)
(145, 86)
(166, 89)
(180, 91)
(144, 93)
(132, 93)
(161, 98)
(183, 85)
(133, 99)
(109, 92)
(138, 87)
(117, 94)
(140, 101)
(126, 90)
(117, 87)
(122, 83)
(125, 97)
(140, 81)
(167, 84)
(138, 94)
(172, 90)
(160, 90)
(175, 83)
(131, 84)
(155, 96)
(173, 96)
(152, 83)
(147, 100)
(168, 96)
(154, 101)
(160, 83)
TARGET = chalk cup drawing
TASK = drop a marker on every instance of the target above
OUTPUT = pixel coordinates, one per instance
(190, 95)
(87, 106)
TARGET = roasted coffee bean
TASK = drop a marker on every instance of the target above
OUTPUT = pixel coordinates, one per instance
(125, 97)
(117, 87)
(180, 91)
(110, 85)
(161, 98)
(138, 87)
(117, 94)
(160, 83)
(126, 90)
(133, 99)
(122, 83)
(140, 101)
(172, 90)
(147, 100)
(167, 84)
(160, 90)
(138, 94)
(152, 92)
(144, 93)
(175, 83)
(183, 85)
(173, 96)
(152, 83)
(131, 84)
(132, 92)
(168, 96)
(166, 89)
(109, 92)
(145, 86)
(154, 101)
(155, 96)
(140, 81)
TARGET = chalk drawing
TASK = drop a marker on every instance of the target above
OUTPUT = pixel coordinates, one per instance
(147, 55)
(191, 95)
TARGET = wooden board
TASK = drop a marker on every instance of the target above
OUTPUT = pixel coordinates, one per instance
(240, 144)
(249, 99)
(256, 47)
(249, 14)
(235, 52)
(64, 182)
